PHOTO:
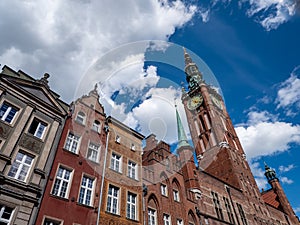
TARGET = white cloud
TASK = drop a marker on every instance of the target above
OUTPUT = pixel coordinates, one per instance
(259, 175)
(271, 13)
(286, 180)
(262, 135)
(288, 94)
(284, 169)
(65, 37)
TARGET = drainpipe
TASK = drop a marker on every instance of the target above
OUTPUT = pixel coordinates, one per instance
(106, 129)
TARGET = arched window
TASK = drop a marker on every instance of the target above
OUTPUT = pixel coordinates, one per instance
(80, 117)
(176, 190)
(192, 218)
(152, 210)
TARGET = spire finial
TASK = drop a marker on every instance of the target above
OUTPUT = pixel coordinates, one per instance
(270, 173)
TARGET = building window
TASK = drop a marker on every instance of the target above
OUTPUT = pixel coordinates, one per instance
(8, 112)
(62, 182)
(5, 214)
(96, 126)
(72, 143)
(229, 211)
(163, 189)
(37, 128)
(86, 190)
(179, 222)
(167, 219)
(132, 147)
(115, 162)
(217, 205)
(176, 195)
(152, 217)
(113, 199)
(21, 166)
(48, 221)
(118, 139)
(132, 170)
(93, 152)
(131, 206)
(80, 118)
(242, 214)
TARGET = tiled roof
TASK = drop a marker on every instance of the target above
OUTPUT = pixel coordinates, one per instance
(271, 198)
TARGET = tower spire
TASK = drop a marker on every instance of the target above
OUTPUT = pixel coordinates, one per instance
(182, 139)
(270, 173)
(187, 58)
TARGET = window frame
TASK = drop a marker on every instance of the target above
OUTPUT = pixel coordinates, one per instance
(167, 219)
(52, 220)
(20, 165)
(8, 111)
(132, 168)
(176, 196)
(69, 182)
(86, 189)
(91, 147)
(113, 164)
(96, 127)
(179, 221)
(2, 210)
(217, 205)
(80, 117)
(40, 123)
(72, 142)
(153, 216)
(132, 205)
(164, 189)
(114, 200)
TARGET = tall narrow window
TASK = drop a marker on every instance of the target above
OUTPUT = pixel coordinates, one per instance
(21, 166)
(167, 219)
(132, 170)
(113, 199)
(229, 211)
(80, 118)
(86, 190)
(115, 162)
(242, 214)
(163, 189)
(152, 219)
(217, 205)
(96, 126)
(7, 112)
(131, 206)
(179, 222)
(93, 152)
(37, 128)
(176, 195)
(72, 143)
(6, 214)
(62, 182)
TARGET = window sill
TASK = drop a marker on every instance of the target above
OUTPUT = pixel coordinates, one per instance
(133, 220)
(60, 198)
(86, 206)
(116, 171)
(117, 215)
(72, 153)
(133, 178)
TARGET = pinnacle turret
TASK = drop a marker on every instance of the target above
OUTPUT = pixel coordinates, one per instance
(182, 138)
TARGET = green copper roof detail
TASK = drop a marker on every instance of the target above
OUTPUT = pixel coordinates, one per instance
(182, 139)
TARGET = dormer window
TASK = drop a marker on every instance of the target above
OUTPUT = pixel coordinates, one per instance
(118, 139)
(132, 147)
(80, 117)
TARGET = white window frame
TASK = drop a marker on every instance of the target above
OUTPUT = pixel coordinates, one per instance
(116, 162)
(80, 118)
(52, 221)
(164, 189)
(167, 219)
(7, 112)
(132, 147)
(179, 222)
(152, 216)
(74, 141)
(176, 195)
(131, 206)
(113, 200)
(62, 179)
(95, 126)
(20, 165)
(86, 188)
(132, 170)
(41, 125)
(94, 148)
(2, 211)
(118, 139)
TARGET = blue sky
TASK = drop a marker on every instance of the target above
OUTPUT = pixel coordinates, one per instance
(251, 47)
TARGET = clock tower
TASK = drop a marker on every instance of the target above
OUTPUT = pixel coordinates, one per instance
(217, 147)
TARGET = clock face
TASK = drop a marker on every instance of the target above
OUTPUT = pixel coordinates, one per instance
(194, 102)
(217, 102)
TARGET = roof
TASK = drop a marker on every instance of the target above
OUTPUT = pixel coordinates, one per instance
(271, 198)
